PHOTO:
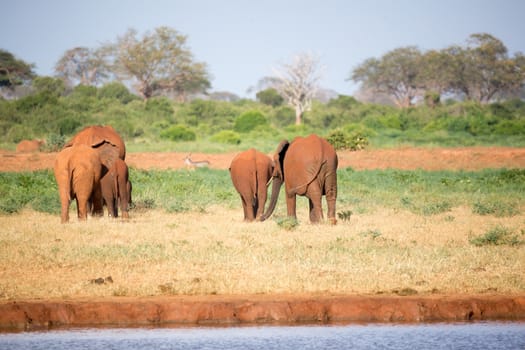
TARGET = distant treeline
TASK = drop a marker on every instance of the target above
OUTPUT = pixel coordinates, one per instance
(53, 113)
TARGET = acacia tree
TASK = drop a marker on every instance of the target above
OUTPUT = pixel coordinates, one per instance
(158, 63)
(483, 69)
(13, 71)
(395, 74)
(480, 71)
(298, 82)
(82, 65)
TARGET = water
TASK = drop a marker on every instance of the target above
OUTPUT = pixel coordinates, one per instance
(489, 335)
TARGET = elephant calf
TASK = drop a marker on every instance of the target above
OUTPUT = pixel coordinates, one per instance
(116, 188)
(77, 172)
(250, 172)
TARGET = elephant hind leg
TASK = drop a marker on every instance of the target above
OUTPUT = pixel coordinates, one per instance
(331, 198)
(314, 195)
(82, 208)
(316, 212)
(247, 205)
(64, 212)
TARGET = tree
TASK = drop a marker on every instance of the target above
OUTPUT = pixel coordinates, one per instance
(483, 69)
(82, 65)
(49, 85)
(396, 74)
(298, 82)
(13, 71)
(269, 97)
(436, 73)
(159, 63)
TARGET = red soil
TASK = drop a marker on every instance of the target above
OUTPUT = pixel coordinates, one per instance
(465, 158)
(267, 309)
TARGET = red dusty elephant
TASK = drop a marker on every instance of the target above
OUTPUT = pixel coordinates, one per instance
(26, 146)
(107, 142)
(250, 172)
(308, 167)
(116, 189)
(103, 138)
(77, 172)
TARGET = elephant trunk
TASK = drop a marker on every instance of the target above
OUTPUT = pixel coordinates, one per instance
(276, 187)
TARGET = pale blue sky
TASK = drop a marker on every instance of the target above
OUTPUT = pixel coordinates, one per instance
(242, 40)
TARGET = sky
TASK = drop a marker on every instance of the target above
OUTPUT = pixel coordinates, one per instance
(243, 41)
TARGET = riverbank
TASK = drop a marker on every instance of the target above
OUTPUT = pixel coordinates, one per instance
(256, 309)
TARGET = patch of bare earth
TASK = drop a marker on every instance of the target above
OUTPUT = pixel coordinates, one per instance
(408, 158)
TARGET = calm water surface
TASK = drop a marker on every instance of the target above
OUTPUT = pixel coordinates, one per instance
(490, 335)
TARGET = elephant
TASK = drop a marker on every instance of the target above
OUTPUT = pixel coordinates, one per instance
(103, 138)
(27, 146)
(308, 167)
(250, 172)
(77, 172)
(110, 147)
(116, 189)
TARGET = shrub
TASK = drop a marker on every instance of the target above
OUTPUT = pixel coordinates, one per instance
(118, 91)
(178, 133)
(227, 136)
(160, 106)
(341, 140)
(496, 208)
(248, 121)
(287, 223)
(510, 127)
(270, 97)
(54, 142)
(498, 235)
(68, 125)
(283, 116)
(344, 215)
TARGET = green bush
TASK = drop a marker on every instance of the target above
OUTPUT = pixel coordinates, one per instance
(178, 133)
(510, 127)
(498, 235)
(54, 142)
(496, 208)
(160, 106)
(68, 125)
(342, 140)
(116, 91)
(270, 97)
(287, 223)
(283, 116)
(227, 136)
(248, 121)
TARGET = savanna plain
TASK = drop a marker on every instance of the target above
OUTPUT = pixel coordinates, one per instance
(399, 232)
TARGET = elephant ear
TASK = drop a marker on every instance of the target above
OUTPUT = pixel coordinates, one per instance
(108, 154)
(280, 152)
(97, 140)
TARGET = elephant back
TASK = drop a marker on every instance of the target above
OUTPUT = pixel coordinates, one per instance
(97, 136)
(305, 158)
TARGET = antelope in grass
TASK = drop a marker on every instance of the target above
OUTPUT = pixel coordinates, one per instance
(191, 164)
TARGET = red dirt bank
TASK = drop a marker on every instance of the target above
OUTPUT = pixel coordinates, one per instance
(229, 310)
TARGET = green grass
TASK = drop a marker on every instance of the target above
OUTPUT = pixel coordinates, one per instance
(499, 192)
(499, 235)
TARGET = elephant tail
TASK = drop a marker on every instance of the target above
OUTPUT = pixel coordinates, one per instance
(254, 181)
(70, 184)
(301, 189)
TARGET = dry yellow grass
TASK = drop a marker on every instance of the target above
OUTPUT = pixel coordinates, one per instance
(216, 253)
